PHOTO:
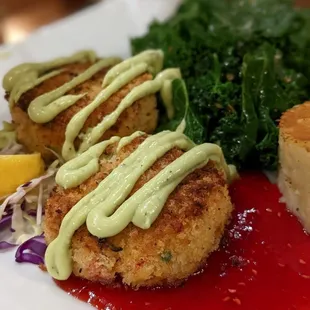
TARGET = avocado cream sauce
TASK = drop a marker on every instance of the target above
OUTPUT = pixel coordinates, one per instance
(47, 106)
(30, 74)
(119, 76)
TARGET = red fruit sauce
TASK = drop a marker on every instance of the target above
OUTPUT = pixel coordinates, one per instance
(263, 264)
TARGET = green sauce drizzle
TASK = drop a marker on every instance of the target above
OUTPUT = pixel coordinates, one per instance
(47, 106)
(25, 76)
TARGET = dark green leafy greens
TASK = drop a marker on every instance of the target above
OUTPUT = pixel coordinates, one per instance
(244, 63)
(183, 109)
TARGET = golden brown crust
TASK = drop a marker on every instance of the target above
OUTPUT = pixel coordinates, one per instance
(189, 228)
(142, 115)
(295, 125)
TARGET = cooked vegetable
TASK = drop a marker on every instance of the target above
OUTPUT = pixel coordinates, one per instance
(183, 109)
(244, 63)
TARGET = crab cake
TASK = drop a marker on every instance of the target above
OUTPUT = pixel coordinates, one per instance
(178, 243)
(142, 115)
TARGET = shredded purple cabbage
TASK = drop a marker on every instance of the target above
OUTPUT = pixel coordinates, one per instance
(31, 251)
(33, 212)
(21, 218)
(21, 212)
(5, 221)
(6, 245)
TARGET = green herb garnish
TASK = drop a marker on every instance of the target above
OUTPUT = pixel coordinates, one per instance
(166, 256)
(103, 242)
(244, 63)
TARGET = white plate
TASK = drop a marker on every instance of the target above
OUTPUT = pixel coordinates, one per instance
(106, 28)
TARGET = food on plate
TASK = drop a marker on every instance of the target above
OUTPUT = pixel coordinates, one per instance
(155, 208)
(17, 170)
(244, 63)
(79, 103)
(47, 98)
(294, 155)
(140, 197)
(24, 188)
(117, 97)
(21, 212)
(262, 263)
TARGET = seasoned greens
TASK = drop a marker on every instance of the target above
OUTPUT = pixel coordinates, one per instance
(244, 63)
(183, 109)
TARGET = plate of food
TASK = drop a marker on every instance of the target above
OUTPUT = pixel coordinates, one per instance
(168, 171)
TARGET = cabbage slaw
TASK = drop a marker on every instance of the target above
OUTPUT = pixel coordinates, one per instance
(21, 213)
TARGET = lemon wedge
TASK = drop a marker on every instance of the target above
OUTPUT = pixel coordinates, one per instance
(16, 170)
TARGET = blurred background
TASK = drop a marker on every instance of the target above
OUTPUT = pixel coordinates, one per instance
(20, 17)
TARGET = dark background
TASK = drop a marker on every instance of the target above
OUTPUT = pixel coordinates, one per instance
(19, 17)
